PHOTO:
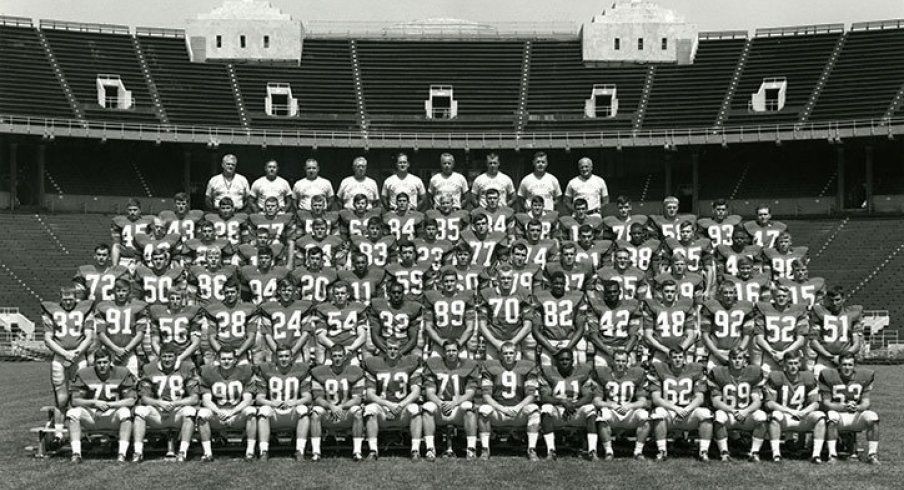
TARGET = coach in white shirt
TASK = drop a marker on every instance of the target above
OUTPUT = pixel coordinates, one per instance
(271, 185)
(587, 186)
(228, 183)
(540, 183)
(493, 179)
(359, 183)
(312, 185)
(401, 181)
(448, 183)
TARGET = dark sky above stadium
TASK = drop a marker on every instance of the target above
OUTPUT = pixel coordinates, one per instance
(707, 14)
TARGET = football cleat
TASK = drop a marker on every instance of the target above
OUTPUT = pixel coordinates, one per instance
(265, 456)
(121, 458)
(639, 457)
(832, 459)
(485, 454)
(703, 456)
(137, 458)
(591, 456)
(415, 455)
(753, 458)
(471, 454)
(532, 455)
(299, 456)
(181, 457)
(373, 456)
(609, 457)
(661, 456)
(169, 455)
(449, 453)
(815, 460)
(725, 456)
(207, 458)
(431, 455)
(315, 457)
(777, 458)
(76, 458)
(873, 459)
(249, 457)
(357, 457)
(551, 455)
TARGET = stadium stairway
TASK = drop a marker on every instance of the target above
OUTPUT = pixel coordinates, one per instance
(883, 287)
(28, 85)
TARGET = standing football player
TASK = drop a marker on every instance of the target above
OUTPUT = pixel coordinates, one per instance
(837, 330)
(764, 231)
(121, 325)
(780, 327)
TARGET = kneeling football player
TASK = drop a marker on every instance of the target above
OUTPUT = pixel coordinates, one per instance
(793, 397)
(226, 401)
(566, 392)
(678, 392)
(450, 383)
(845, 395)
(393, 389)
(102, 399)
(736, 393)
(284, 399)
(622, 401)
(338, 390)
(509, 394)
(169, 395)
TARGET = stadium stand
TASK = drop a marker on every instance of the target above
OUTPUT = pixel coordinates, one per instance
(559, 83)
(193, 93)
(84, 52)
(105, 177)
(28, 85)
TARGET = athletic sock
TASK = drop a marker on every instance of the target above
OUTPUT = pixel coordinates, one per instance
(265, 446)
(756, 445)
(722, 445)
(532, 439)
(123, 447)
(251, 444)
(138, 447)
(315, 445)
(356, 444)
(776, 447)
(873, 447)
(301, 444)
(833, 447)
(592, 441)
(429, 442)
(817, 447)
(471, 442)
(415, 444)
(550, 440)
(183, 446)
(206, 447)
(485, 440)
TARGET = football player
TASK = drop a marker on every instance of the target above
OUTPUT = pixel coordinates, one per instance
(286, 321)
(95, 281)
(792, 396)
(450, 316)
(501, 217)
(332, 246)
(569, 226)
(207, 280)
(231, 325)
(397, 320)
(780, 327)
(340, 322)
(691, 286)
(540, 250)
(450, 221)
(698, 252)
(577, 275)
(777, 261)
(678, 392)
(304, 219)
(450, 383)
(804, 289)
(151, 283)
(566, 394)
(632, 280)
(123, 231)
(121, 325)
(416, 277)
(177, 324)
(645, 250)
(432, 249)
(509, 389)
(313, 280)
(721, 226)
(283, 400)
(836, 330)
(750, 287)
(536, 212)
(259, 283)
(736, 393)
(592, 251)
(366, 281)
(669, 323)
(157, 239)
(727, 256)
(102, 398)
(618, 226)
(393, 388)
(483, 240)
(622, 401)
(353, 222)
(668, 224)
(227, 397)
(169, 395)
(528, 276)
(845, 395)
(403, 222)
(725, 324)
(612, 323)
(68, 334)
(506, 316)
(195, 250)
(338, 390)
(764, 231)
(181, 219)
(559, 321)
(226, 222)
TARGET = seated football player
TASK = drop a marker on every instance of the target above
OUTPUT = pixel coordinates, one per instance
(725, 324)
(287, 322)
(231, 326)
(528, 276)
(332, 246)
(590, 250)
(548, 220)
(645, 250)
(570, 225)
(177, 324)
(342, 323)
(397, 320)
(633, 280)
(622, 401)
(668, 224)
(182, 219)
(226, 221)
(482, 240)
(366, 281)
(727, 256)
(720, 227)
(227, 398)
(792, 397)
(338, 390)
(501, 217)
(764, 231)
(313, 279)
(558, 323)
(102, 399)
(415, 276)
(121, 325)
(95, 281)
(283, 400)
(678, 390)
(509, 389)
(540, 250)
(566, 397)
(669, 323)
(836, 330)
(304, 219)
(777, 261)
(401, 221)
(353, 222)
(807, 290)
(151, 282)
(612, 324)
(752, 287)
(450, 316)
(450, 221)
(393, 389)
(506, 316)
(691, 285)
(433, 249)
(68, 334)
(195, 250)
(779, 327)
(845, 395)
(577, 275)
(206, 281)
(124, 229)
(169, 395)
(157, 238)
(450, 383)
(618, 226)
(736, 393)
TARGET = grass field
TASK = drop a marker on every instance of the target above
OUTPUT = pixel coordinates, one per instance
(26, 386)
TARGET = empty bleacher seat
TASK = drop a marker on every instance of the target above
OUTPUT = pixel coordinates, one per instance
(28, 85)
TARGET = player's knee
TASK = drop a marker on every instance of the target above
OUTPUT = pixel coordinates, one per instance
(703, 413)
(189, 412)
(530, 409)
(123, 413)
(356, 411)
(371, 409)
(642, 414)
(413, 410)
(73, 414)
(833, 417)
(204, 414)
(778, 416)
(429, 408)
(721, 417)
(142, 411)
(533, 420)
(870, 417)
(250, 411)
(485, 410)
(302, 410)
(467, 406)
(759, 416)
(659, 413)
(604, 415)
(548, 409)
(265, 412)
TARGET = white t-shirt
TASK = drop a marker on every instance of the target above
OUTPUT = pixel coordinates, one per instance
(236, 188)
(590, 189)
(501, 182)
(306, 188)
(263, 188)
(454, 185)
(547, 187)
(351, 187)
(411, 185)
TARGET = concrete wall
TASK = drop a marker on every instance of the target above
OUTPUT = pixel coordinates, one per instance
(285, 39)
(598, 40)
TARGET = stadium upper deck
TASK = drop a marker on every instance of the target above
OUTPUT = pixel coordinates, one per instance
(816, 82)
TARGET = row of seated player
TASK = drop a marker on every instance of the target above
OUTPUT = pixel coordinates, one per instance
(391, 391)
